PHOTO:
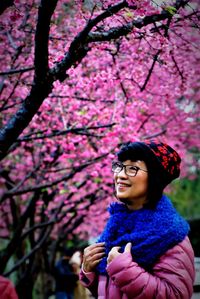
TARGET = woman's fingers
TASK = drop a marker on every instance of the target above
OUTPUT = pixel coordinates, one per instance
(94, 253)
(128, 247)
(92, 256)
(114, 252)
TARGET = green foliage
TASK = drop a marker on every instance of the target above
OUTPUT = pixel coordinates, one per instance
(63, 191)
(185, 196)
(171, 10)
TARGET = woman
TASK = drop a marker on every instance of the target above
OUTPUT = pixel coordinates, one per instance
(7, 289)
(144, 251)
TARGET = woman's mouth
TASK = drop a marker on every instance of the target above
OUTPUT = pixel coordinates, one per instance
(122, 185)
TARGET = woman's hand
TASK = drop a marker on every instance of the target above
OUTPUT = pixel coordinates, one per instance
(115, 252)
(92, 256)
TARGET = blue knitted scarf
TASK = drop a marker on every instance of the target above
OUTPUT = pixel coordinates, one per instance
(151, 231)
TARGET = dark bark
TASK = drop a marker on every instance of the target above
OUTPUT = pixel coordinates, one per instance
(39, 187)
(44, 78)
(10, 249)
(42, 84)
(4, 4)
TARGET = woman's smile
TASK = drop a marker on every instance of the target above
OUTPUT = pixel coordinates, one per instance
(122, 185)
(132, 190)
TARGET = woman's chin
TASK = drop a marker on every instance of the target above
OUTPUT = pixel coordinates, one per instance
(123, 199)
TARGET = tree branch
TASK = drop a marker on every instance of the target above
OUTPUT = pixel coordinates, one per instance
(163, 131)
(144, 122)
(81, 131)
(42, 84)
(177, 67)
(46, 10)
(5, 254)
(47, 185)
(43, 80)
(11, 72)
(4, 4)
(124, 30)
(24, 258)
(150, 70)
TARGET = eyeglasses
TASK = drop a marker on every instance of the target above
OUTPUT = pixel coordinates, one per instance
(130, 170)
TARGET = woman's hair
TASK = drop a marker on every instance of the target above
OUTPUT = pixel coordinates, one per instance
(156, 177)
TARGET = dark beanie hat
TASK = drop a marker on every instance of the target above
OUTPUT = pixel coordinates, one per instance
(168, 158)
(162, 161)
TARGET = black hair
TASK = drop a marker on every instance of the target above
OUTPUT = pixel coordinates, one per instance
(67, 251)
(156, 178)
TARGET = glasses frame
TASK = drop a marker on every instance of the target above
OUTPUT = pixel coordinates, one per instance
(125, 170)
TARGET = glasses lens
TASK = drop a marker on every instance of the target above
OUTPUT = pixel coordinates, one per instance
(131, 170)
(117, 166)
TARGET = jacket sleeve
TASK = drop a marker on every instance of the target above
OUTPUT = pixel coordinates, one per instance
(7, 289)
(172, 276)
(89, 280)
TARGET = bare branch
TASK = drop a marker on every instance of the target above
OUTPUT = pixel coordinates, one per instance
(42, 84)
(24, 258)
(46, 9)
(144, 122)
(47, 185)
(177, 67)
(150, 70)
(4, 4)
(84, 99)
(4, 107)
(11, 72)
(5, 254)
(163, 131)
(124, 30)
(43, 80)
(80, 131)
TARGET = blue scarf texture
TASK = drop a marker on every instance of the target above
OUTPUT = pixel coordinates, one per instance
(151, 231)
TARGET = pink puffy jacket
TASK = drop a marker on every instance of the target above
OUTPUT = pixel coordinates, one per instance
(7, 290)
(172, 277)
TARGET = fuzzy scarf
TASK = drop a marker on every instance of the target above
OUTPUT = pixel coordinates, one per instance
(151, 231)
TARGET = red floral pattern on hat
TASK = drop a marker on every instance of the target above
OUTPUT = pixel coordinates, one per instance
(167, 156)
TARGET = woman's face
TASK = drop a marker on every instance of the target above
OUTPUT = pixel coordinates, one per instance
(132, 190)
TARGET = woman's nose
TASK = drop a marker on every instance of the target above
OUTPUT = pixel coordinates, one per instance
(122, 173)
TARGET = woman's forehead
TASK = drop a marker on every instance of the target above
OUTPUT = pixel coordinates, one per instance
(133, 162)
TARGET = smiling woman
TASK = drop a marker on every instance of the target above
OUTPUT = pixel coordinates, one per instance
(131, 183)
(144, 250)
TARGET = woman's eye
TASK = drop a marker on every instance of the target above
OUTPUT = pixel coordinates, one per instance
(132, 168)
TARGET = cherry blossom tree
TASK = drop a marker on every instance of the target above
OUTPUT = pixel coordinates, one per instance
(78, 78)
